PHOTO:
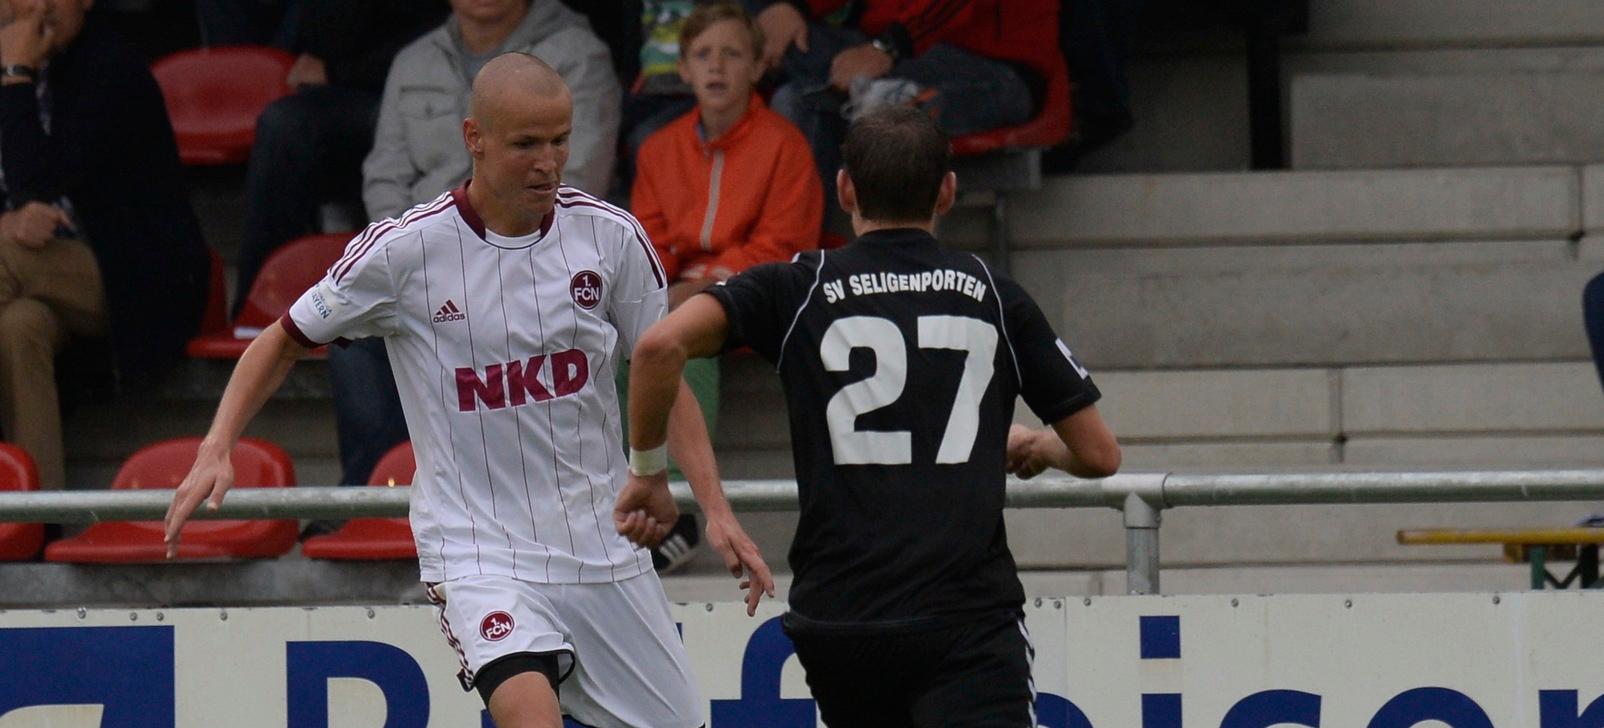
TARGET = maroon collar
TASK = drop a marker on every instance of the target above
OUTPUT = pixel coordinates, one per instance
(459, 197)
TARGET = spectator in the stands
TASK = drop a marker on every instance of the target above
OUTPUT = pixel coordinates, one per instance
(98, 237)
(418, 154)
(250, 22)
(727, 186)
(975, 65)
(658, 94)
(310, 145)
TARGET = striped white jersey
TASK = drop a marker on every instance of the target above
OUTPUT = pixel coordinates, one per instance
(503, 350)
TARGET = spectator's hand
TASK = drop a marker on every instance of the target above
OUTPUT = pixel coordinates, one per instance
(742, 558)
(863, 60)
(25, 38)
(308, 70)
(32, 225)
(1028, 454)
(783, 26)
(209, 479)
(645, 510)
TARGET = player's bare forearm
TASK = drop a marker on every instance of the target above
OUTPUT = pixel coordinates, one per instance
(1089, 448)
(260, 372)
(694, 329)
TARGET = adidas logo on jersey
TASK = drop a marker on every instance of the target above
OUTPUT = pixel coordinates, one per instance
(449, 312)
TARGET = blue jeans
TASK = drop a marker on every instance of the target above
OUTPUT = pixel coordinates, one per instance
(367, 409)
(1593, 315)
(309, 149)
(973, 93)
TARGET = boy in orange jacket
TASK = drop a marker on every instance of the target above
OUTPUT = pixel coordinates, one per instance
(725, 187)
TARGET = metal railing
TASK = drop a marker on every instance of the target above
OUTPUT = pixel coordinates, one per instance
(1142, 497)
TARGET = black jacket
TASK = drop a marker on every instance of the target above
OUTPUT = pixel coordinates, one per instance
(110, 152)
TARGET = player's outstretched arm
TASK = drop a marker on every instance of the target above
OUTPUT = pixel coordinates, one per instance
(259, 373)
(662, 409)
(1080, 444)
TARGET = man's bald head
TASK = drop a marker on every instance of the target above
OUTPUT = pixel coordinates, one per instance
(510, 79)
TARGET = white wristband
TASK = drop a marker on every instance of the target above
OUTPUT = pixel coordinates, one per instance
(646, 463)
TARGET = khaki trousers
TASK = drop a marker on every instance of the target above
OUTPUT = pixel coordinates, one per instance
(47, 296)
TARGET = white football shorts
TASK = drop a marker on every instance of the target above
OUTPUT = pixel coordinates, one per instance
(621, 662)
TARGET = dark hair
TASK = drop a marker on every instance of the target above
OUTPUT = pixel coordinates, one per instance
(896, 156)
(706, 15)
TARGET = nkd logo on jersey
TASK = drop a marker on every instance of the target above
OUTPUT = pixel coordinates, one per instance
(516, 383)
(586, 288)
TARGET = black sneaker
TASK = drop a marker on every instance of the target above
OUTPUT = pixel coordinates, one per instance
(677, 550)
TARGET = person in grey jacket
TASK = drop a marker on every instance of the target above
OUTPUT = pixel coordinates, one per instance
(417, 149)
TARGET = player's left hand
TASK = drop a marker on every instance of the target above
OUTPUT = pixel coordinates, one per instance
(863, 60)
(645, 510)
(741, 557)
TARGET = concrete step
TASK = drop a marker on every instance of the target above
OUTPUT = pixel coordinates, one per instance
(1348, 121)
(1316, 305)
(1146, 210)
(1359, 24)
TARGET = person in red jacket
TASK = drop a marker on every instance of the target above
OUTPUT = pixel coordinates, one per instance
(726, 186)
(975, 64)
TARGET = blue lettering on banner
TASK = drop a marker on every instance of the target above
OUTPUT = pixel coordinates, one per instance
(127, 670)
(1422, 704)
(1557, 709)
(760, 704)
(1053, 711)
(1274, 708)
(310, 665)
(1161, 710)
(1161, 637)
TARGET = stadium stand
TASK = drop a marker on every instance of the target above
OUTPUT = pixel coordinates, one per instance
(214, 95)
(288, 272)
(370, 539)
(1410, 304)
(257, 464)
(18, 541)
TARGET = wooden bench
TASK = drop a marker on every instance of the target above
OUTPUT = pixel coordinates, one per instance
(1535, 546)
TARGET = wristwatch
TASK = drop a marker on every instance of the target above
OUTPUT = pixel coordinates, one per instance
(17, 70)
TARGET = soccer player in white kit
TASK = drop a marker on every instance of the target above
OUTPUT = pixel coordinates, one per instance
(502, 302)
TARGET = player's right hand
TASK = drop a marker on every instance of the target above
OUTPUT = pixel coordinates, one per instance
(1026, 457)
(209, 480)
(645, 510)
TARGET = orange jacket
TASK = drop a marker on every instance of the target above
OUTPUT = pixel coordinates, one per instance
(712, 210)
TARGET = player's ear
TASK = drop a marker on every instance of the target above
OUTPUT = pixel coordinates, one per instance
(473, 138)
(947, 194)
(845, 193)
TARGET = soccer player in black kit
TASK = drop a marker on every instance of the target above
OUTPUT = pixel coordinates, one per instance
(901, 363)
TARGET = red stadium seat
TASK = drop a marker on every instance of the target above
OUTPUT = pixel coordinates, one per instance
(286, 274)
(373, 539)
(1050, 127)
(215, 317)
(19, 541)
(257, 464)
(214, 95)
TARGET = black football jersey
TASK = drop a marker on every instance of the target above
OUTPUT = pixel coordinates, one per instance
(901, 363)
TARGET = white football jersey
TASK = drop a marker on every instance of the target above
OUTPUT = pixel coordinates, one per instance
(503, 350)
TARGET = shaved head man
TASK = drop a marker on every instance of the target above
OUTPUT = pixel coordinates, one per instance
(521, 115)
(502, 303)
